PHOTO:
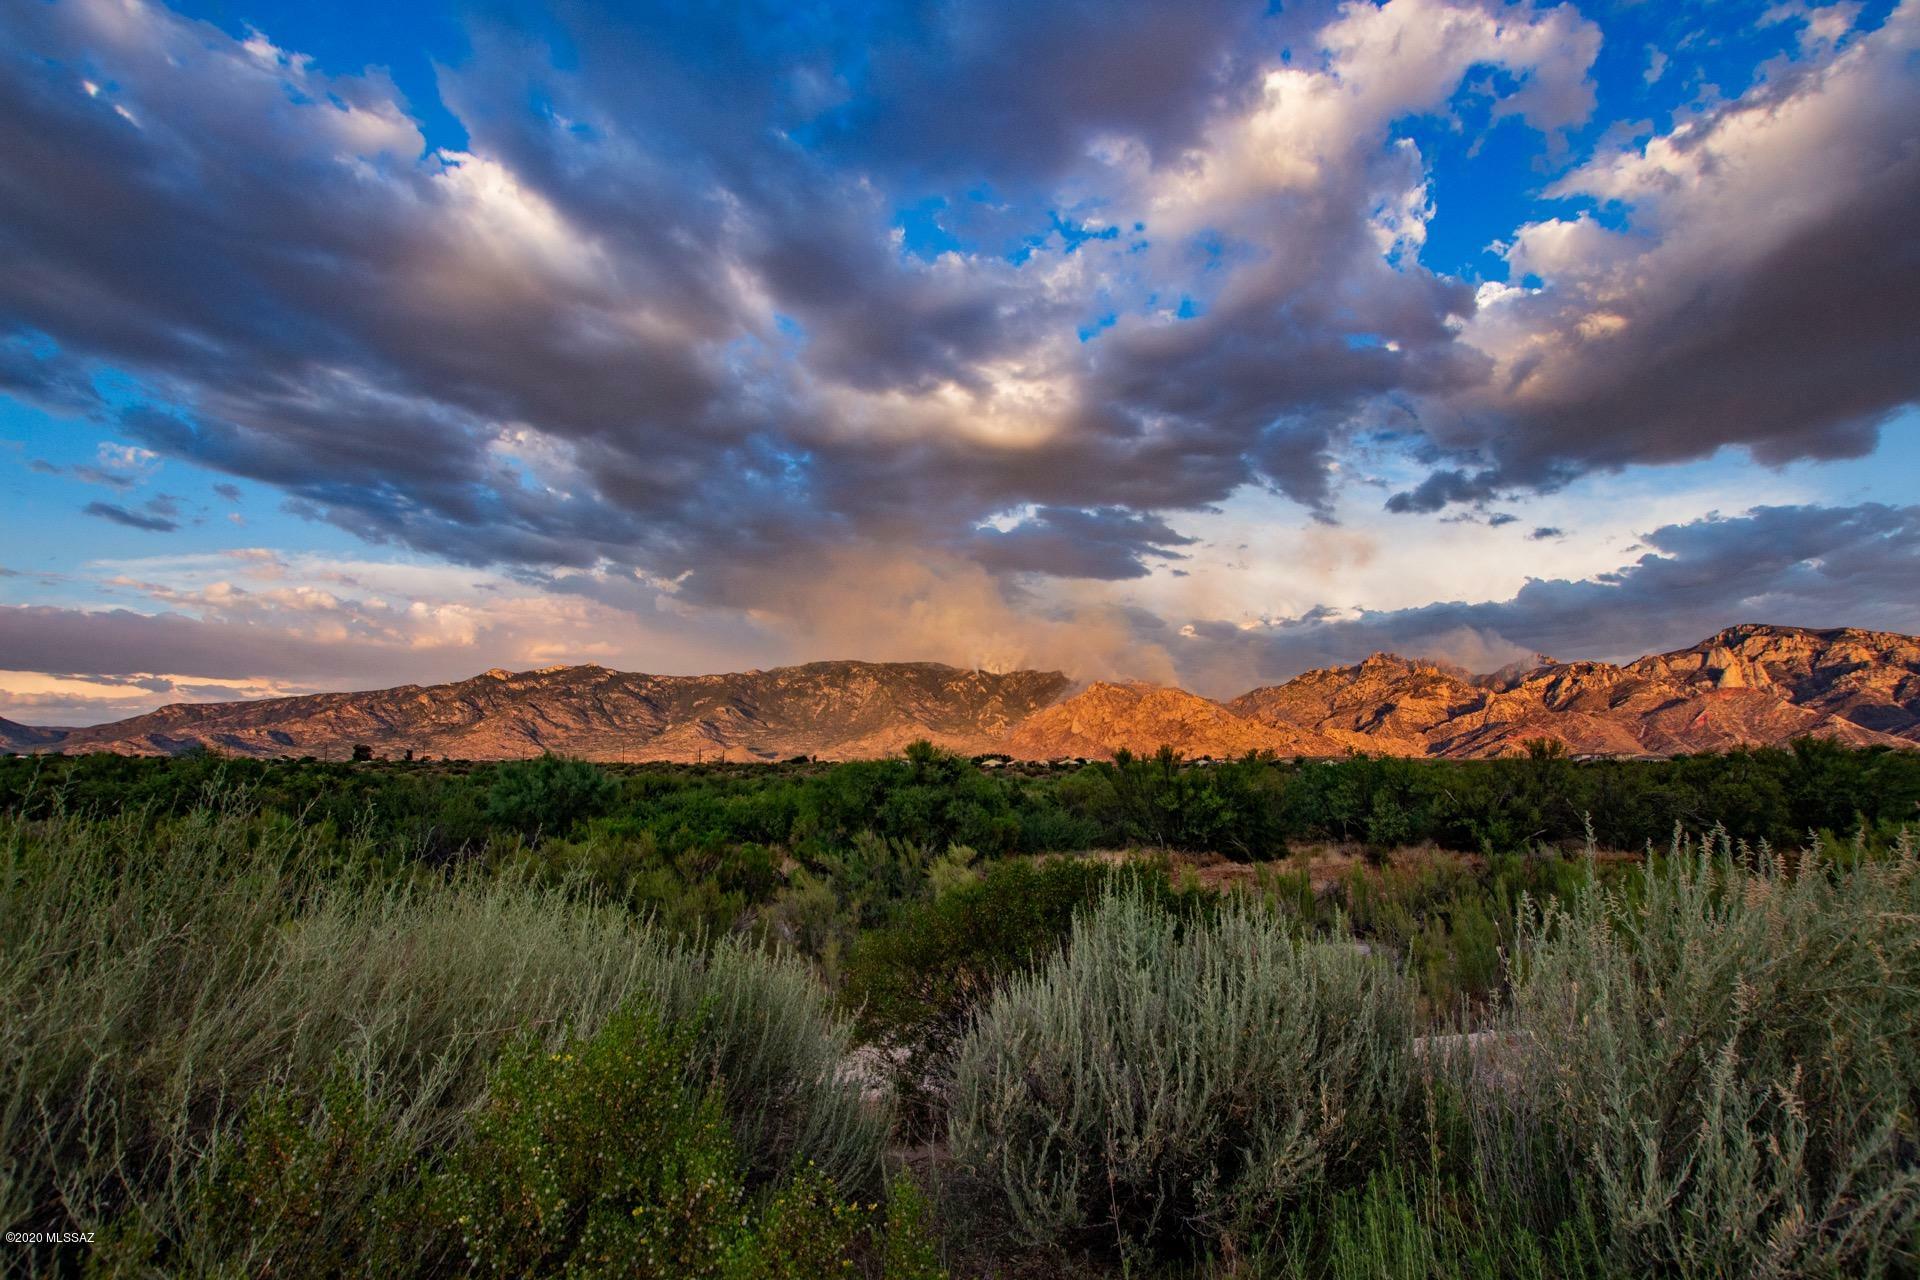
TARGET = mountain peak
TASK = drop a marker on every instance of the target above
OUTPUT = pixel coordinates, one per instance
(1752, 683)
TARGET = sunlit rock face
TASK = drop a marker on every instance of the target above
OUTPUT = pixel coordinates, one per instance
(1748, 685)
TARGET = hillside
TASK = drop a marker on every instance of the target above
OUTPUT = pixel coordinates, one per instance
(1144, 717)
(25, 737)
(838, 709)
(1746, 685)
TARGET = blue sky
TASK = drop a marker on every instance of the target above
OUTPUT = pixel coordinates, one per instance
(349, 344)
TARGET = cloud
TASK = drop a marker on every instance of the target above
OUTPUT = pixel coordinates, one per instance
(1746, 278)
(1807, 565)
(622, 329)
(306, 622)
(905, 606)
(155, 523)
(1107, 542)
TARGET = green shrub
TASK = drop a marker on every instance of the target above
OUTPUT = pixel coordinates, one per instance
(1404, 1225)
(910, 1252)
(1171, 1086)
(597, 1158)
(806, 1232)
(548, 795)
(1727, 1066)
(780, 1053)
(293, 1192)
(1232, 808)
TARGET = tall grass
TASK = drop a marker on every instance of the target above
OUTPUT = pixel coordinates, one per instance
(1162, 1085)
(157, 975)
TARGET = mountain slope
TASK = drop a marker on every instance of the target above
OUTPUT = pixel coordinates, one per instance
(1871, 678)
(1385, 704)
(23, 737)
(1142, 718)
(842, 709)
(1747, 685)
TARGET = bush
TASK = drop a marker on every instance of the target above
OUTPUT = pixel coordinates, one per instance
(598, 1157)
(549, 795)
(155, 977)
(916, 985)
(1168, 1086)
(296, 1193)
(1411, 1226)
(1728, 1067)
(1233, 808)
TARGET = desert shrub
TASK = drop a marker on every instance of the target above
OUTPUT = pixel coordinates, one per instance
(296, 1190)
(1233, 808)
(806, 1232)
(915, 985)
(780, 1052)
(910, 1252)
(1171, 1085)
(1725, 1066)
(548, 795)
(595, 1158)
(155, 976)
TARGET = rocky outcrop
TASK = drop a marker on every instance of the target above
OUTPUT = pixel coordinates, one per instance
(1749, 685)
(1142, 718)
(1868, 678)
(1385, 704)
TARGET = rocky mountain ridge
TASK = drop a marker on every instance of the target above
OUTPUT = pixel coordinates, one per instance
(1750, 684)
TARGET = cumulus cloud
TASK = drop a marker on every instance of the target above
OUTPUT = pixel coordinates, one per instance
(622, 330)
(1748, 277)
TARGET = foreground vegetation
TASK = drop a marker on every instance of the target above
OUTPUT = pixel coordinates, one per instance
(873, 1019)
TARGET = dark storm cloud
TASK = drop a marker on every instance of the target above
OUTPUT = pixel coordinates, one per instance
(1811, 566)
(154, 523)
(1104, 543)
(1034, 84)
(679, 276)
(1442, 489)
(660, 316)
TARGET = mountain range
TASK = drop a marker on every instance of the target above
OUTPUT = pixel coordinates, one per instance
(1750, 684)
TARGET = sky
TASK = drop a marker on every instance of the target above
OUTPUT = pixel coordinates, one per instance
(356, 344)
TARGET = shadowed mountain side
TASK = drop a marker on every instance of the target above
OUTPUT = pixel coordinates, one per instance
(23, 737)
